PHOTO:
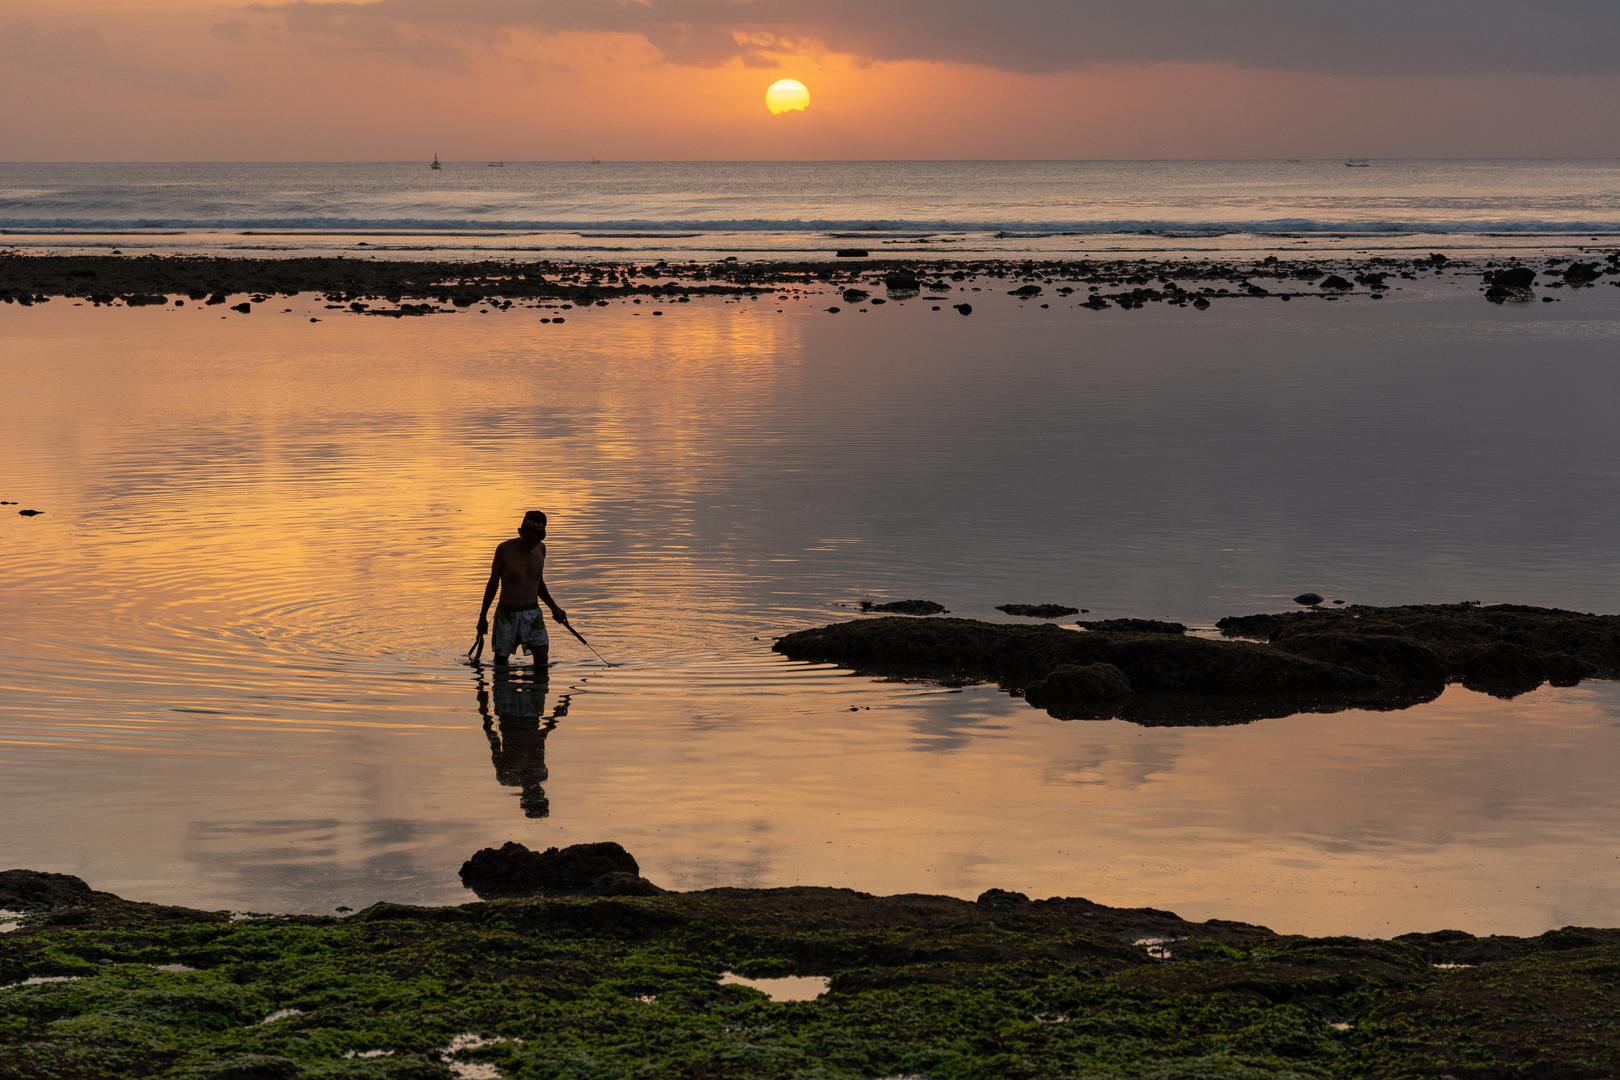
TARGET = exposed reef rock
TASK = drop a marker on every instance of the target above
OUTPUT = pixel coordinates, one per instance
(1503, 649)
(906, 607)
(1311, 661)
(514, 870)
(1133, 626)
(1038, 611)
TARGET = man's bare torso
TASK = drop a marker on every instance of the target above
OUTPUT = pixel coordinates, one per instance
(521, 572)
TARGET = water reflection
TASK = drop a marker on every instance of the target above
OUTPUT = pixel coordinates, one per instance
(512, 706)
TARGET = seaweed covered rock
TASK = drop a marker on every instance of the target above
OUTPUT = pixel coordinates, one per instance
(514, 870)
(35, 890)
(1132, 626)
(907, 607)
(1381, 655)
(1019, 655)
(1075, 688)
(1038, 611)
(1503, 649)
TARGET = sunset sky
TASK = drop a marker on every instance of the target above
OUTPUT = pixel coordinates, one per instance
(155, 80)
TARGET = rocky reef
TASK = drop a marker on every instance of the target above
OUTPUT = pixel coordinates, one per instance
(1308, 661)
(94, 986)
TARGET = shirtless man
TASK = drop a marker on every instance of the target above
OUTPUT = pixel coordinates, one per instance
(519, 570)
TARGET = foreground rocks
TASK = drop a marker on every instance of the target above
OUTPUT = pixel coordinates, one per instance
(1307, 661)
(920, 985)
(605, 869)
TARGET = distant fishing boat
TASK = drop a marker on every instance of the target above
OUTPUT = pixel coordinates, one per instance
(435, 164)
(1356, 163)
(497, 164)
(596, 161)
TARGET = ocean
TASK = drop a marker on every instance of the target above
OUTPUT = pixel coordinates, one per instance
(772, 210)
(230, 657)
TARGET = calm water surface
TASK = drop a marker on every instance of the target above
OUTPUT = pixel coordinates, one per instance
(228, 658)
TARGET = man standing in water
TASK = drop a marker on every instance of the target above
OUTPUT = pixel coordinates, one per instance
(519, 570)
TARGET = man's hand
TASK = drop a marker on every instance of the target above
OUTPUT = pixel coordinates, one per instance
(483, 625)
(559, 614)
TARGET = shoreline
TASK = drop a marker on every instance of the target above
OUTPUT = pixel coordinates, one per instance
(423, 287)
(687, 984)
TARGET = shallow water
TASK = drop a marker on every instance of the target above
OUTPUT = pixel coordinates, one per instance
(228, 667)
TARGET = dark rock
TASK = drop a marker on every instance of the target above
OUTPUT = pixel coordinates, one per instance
(902, 283)
(877, 300)
(1038, 611)
(957, 648)
(853, 253)
(1372, 281)
(906, 607)
(1516, 277)
(1132, 626)
(1001, 898)
(620, 883)
(145, 300)
(1379, 655)
(35, 890)
(1500, 668)
(30, 513)
(1334, 281)
(1309, 599)
(219, 298)
(1307, 273)
(1201, 303)
(1026, 290)
(1072, 687)
(1438, 260)
(855, 296)
(1582, 273)
(243, 307)
(965, 309)
(514, 870)
(834, 310)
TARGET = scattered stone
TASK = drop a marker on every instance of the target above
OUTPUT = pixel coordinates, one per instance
(1309, 599)
(1335, 282)
(1026, 291)
(834, 310)
(30, 513)
(244, 307)
(1201, 303)
(514, 870)
(965, 309)
(1512, 283)
(855, 296)
(853, 253)
(1038, 611)
(1582, 273)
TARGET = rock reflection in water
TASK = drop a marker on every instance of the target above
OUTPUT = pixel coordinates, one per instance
(512, 708)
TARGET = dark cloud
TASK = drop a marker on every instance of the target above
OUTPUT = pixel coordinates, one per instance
(1369, 37)
(85, 54)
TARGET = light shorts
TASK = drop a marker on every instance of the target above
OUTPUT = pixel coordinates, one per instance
(519, 626)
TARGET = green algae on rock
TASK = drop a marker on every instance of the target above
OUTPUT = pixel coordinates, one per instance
(922, 985)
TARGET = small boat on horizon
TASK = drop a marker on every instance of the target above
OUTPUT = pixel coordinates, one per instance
(1357, 163)
(435, 164)
(497, 164)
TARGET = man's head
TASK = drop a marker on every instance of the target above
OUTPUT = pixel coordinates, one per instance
(534, 526)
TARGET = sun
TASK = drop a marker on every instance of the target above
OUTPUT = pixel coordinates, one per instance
(786, 95)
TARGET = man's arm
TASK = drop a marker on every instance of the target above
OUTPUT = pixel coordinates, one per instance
(545, 594)
(489, 592)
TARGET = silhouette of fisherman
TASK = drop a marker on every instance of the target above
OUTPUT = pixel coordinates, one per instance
(519, 571)
(517, 738)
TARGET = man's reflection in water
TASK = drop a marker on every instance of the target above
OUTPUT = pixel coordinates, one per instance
(517, 736)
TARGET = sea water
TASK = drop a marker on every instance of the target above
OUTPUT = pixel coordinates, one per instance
(758, 210)
(229, 658)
